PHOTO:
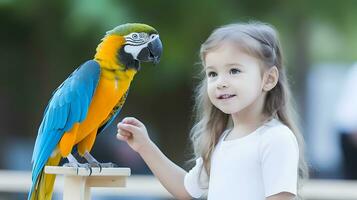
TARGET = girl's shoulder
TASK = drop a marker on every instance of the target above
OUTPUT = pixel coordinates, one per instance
(277, 133)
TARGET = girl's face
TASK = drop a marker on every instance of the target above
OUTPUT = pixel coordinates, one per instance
(234, 79)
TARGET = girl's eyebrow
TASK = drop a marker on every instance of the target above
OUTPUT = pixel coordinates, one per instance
(209, 67)
(226, 65)
(233, 64)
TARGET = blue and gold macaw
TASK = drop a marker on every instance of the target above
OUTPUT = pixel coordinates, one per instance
(89, 100)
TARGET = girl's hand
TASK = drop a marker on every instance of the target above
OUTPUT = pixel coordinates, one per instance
(134, 133)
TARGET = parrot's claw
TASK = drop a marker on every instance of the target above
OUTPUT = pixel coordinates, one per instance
(102, 165)
(79, 165)
(94, 163)
(98, 165)
(106, 165)
(72, 162)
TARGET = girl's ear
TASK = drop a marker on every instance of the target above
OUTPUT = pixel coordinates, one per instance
(271, 77)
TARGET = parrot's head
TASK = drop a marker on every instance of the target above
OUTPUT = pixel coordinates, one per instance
(130, 44)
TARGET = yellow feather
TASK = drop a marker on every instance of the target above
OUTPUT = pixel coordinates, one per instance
(107, 51)
(44, 189)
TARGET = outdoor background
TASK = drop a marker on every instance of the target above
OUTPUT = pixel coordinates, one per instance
(42, 42)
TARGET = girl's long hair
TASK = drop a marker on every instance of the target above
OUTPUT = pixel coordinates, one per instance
(261, 41)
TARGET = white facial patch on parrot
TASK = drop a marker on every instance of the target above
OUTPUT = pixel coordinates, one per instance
(134, 50)
(136, 42)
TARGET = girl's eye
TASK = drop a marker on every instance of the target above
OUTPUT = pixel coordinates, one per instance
(211, 74)
(234, 71)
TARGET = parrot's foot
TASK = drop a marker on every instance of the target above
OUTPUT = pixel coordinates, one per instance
(94, 163)
(79, 165)
(72, 162)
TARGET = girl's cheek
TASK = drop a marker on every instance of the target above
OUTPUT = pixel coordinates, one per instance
(210, 83)
(210, 88)
(210, 98)
(211, 94)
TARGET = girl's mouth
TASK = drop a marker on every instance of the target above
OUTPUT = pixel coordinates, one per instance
(226, 96)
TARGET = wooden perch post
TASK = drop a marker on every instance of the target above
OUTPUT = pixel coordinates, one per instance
(77, 186)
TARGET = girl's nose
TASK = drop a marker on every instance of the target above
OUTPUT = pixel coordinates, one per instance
(222, 84)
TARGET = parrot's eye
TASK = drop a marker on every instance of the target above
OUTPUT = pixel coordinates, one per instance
(135, 36)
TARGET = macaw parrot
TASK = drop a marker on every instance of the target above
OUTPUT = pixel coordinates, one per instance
(88, 101)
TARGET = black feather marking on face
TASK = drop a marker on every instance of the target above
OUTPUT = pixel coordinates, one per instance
(127, 60)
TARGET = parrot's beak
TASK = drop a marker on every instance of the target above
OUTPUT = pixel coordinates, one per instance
(153, 51)
(155, 48)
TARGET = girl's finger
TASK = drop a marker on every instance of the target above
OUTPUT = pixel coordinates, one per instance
(132, 120)
(128, 127)
(125, 133)
(121, 137)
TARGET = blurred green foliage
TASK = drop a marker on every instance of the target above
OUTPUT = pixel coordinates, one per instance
(42, 42)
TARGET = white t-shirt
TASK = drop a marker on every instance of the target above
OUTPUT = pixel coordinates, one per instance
(253, 167)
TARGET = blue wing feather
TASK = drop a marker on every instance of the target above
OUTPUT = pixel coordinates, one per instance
(68, 105)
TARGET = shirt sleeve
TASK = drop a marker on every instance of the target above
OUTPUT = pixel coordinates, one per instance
(196, 180)
(279, 160)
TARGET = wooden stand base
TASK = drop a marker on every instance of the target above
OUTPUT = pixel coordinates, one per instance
(77, 186)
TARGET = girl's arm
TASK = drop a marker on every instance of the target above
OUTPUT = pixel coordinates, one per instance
(281, 196)
(169, 174)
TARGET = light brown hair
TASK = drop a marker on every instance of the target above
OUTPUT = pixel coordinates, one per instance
(261, 41)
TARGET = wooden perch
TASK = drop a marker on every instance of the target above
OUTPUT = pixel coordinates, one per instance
(77, 186)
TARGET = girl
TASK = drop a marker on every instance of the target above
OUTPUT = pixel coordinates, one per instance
(246, 144)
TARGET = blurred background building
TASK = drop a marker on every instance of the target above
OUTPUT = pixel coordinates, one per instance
(42, 42)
